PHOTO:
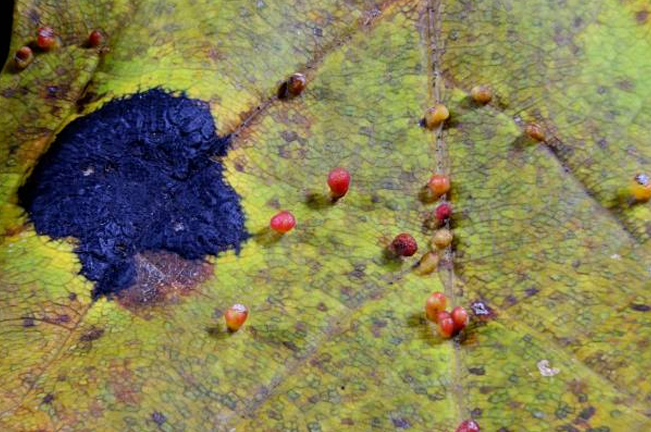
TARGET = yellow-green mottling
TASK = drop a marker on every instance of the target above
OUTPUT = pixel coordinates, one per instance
(336, 338)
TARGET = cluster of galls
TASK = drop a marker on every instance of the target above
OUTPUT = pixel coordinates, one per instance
(47, 40)
(449, 323)
(404, 244)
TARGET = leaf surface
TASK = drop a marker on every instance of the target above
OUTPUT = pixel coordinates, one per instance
(548, 255)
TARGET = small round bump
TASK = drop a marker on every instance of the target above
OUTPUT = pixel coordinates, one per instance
(339, 182)
(46, 39)
(404, 245)
(460, 318)
(293, 86)
(435, 303)
(439, 184)
(235, 317)
(535, 132)
(443, 212)
(442, 238)
(436, 115)
(427, 264)
(481, 94)
(445, 324)
(95, 39)
(283, 222)
(23, 57)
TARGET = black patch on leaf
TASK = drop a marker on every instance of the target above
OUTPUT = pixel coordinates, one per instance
(135, 176)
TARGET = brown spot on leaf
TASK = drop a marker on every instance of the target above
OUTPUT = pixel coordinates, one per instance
(290, 346)
(240, 164)
(14, 230)
(158, 418)
(401, 423)
(320, 361)
(531, 292)
(34, 16)
(577, 387)
(289, 136)
(274, 203)
(509, 300)
(122, 383)
(85, 98)
(625, 84)
(92, 334)
(48, 398)
(163, 278)
(58, 319)
(477, 370)
(377, 327)
(642, 16)
(587, 413)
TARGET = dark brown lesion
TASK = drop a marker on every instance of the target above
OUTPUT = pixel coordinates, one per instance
(163, 278)
(92, 334)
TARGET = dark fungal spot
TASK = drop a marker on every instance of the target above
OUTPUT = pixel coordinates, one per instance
(531, 291)
(92, 334)
(158, 418)
(401, 423)
(641, 307)
(479, 370)
(587, 413)
(290, 346)
(136, 176)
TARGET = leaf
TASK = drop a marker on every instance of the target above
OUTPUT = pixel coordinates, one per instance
(550, 259)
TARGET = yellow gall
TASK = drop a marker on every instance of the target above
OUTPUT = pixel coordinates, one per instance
(436, 115)
(427, 264)
(235, 317)
(641, 187)
(442, 239)
(481, 94)
(535, 132)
